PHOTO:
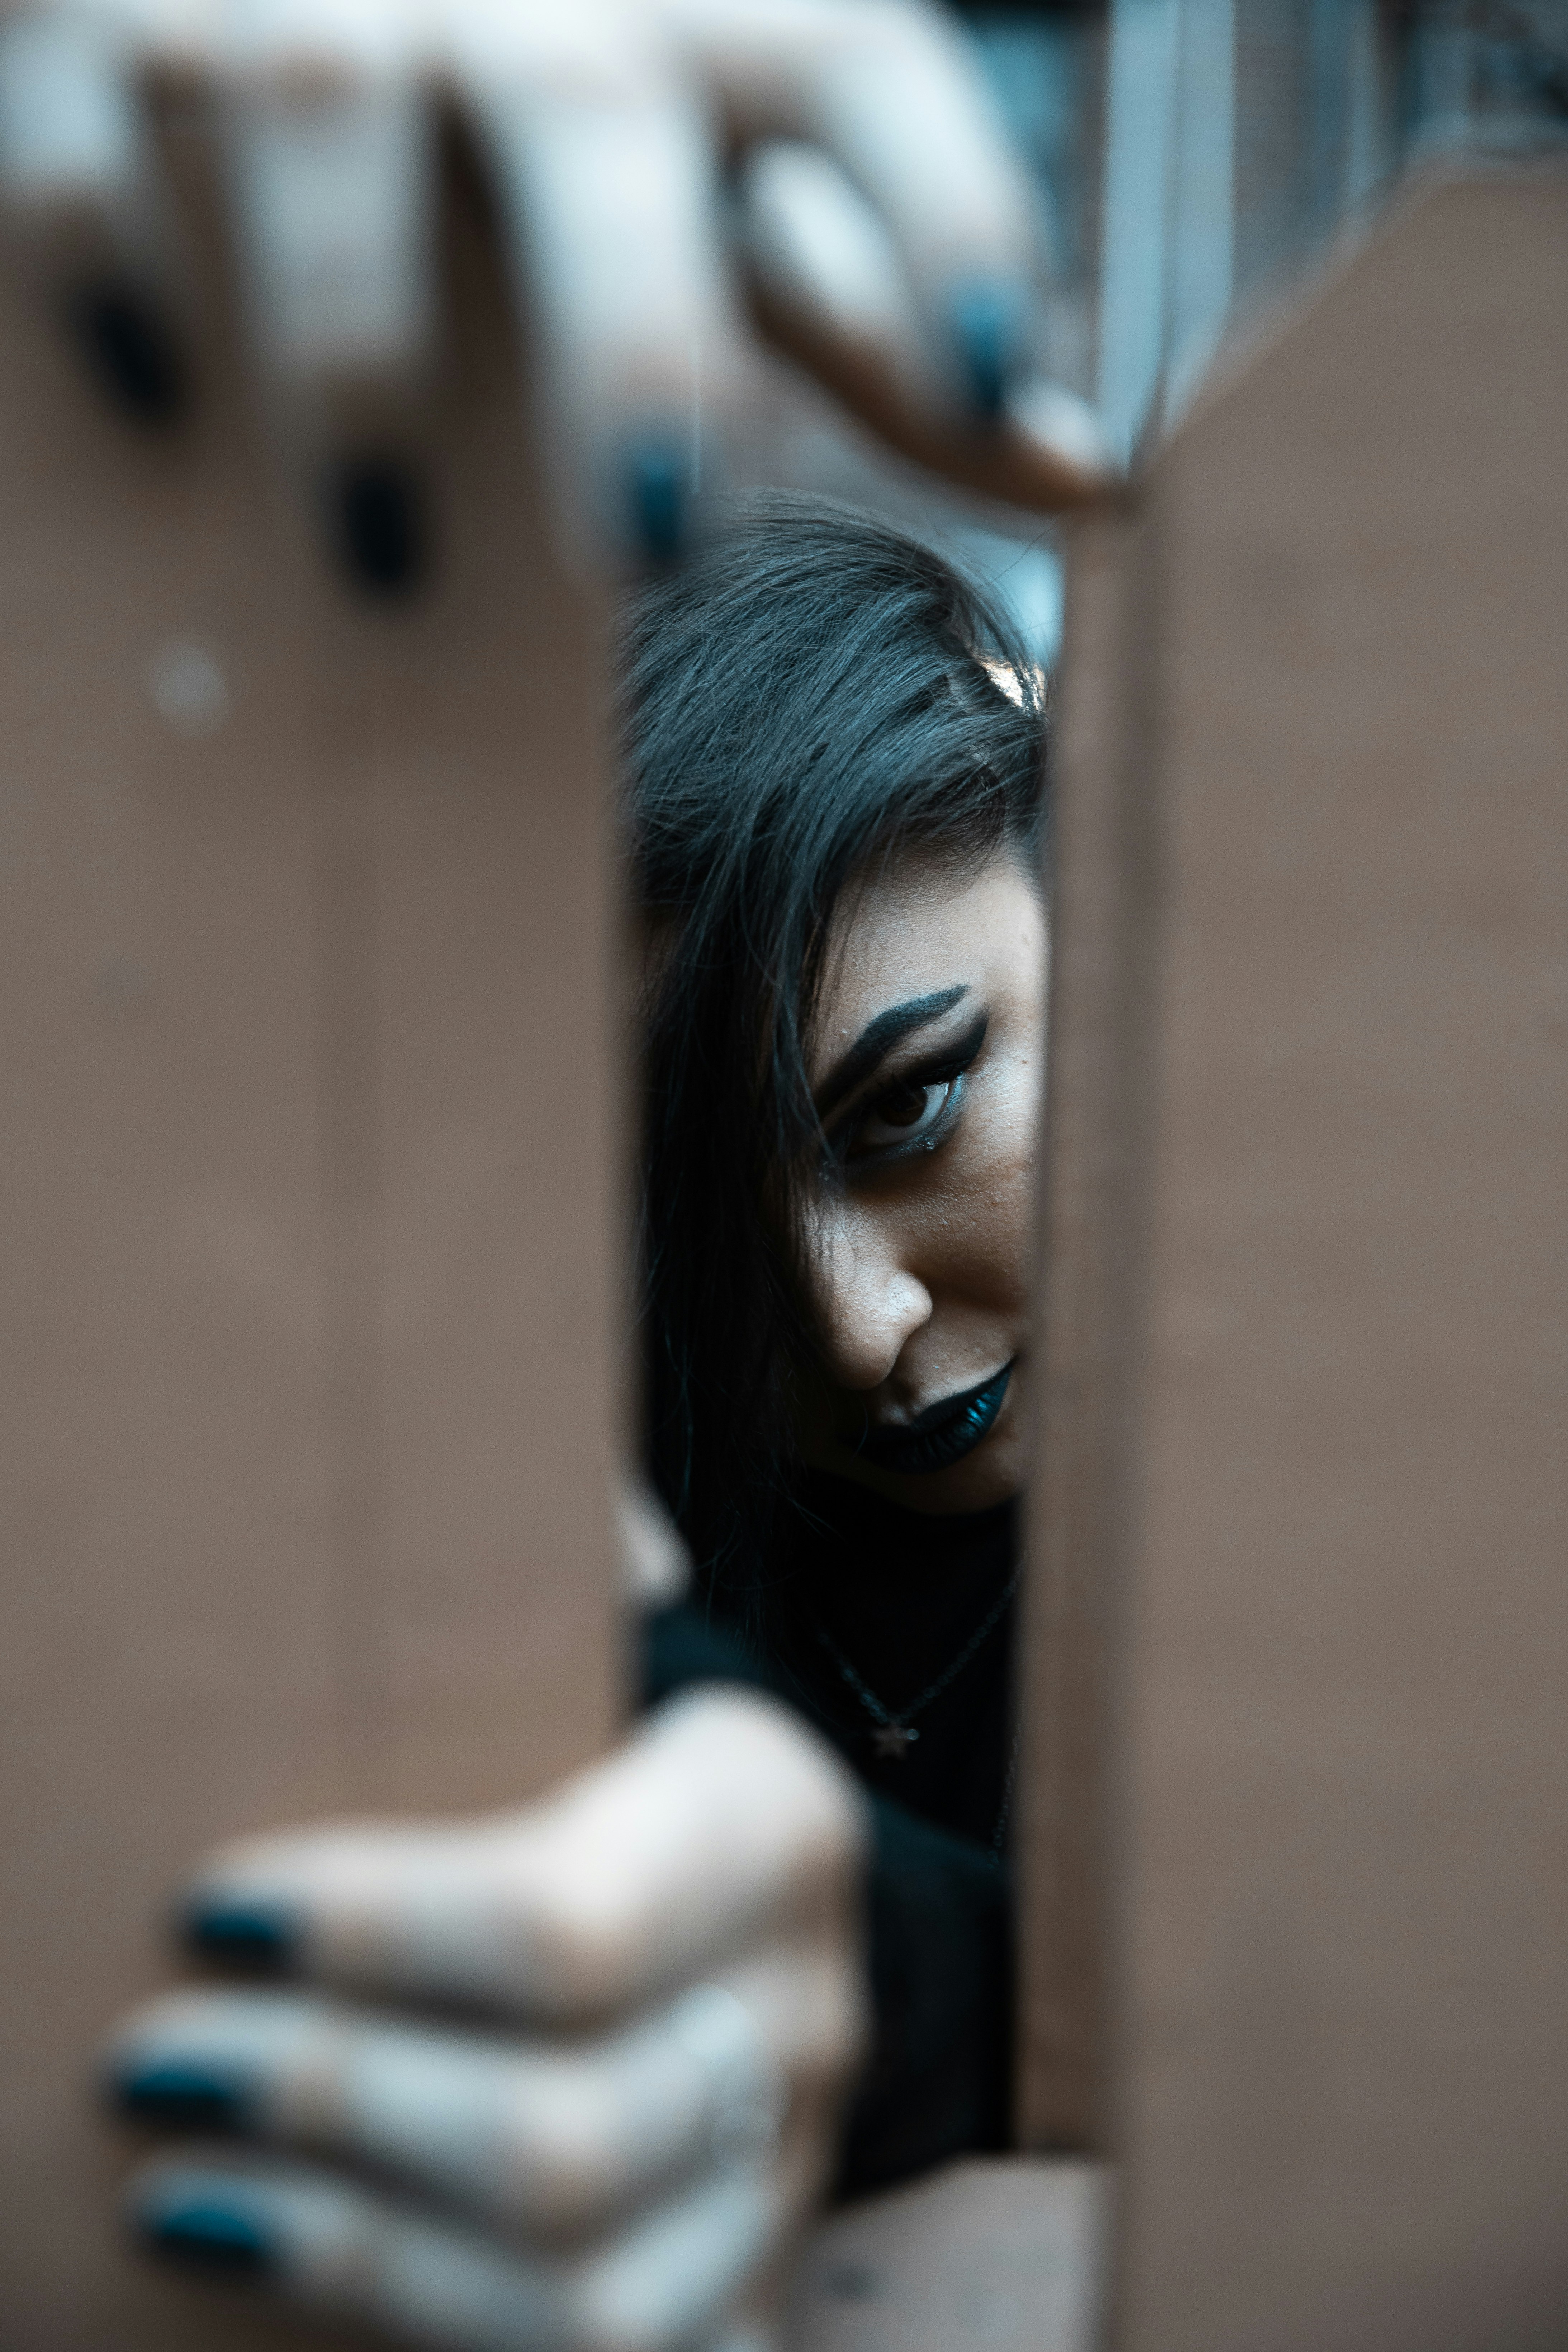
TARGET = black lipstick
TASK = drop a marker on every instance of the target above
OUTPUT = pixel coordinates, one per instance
(940, 1435)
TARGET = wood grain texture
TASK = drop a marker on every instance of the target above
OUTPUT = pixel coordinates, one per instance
(1326, 1477)
(310, 1172)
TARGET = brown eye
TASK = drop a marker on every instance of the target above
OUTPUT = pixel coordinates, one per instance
(903, 1105)
(901, 1114)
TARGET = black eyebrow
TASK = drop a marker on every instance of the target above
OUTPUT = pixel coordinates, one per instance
(877, 1040)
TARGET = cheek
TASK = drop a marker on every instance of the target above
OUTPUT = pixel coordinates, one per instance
(977, 1219)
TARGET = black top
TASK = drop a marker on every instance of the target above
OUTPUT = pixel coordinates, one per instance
(899, 1596)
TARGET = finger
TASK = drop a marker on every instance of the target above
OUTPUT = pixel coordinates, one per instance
(344, 2253)
(666, 2281)
(655, 1567)
(721, 1820)
(328, 147)
(889, 88)
(78, 181)
(828, 287)
(606, 189)
(817, 246)
(545, 2141)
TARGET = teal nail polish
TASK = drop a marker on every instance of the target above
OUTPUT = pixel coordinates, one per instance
(376, 515)
(193, 2095)
(985, 324)
(132, 350)
(214, 2228)
(258, 1935)
(657, 480)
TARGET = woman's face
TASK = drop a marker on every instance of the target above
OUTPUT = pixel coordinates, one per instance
(926, 1071)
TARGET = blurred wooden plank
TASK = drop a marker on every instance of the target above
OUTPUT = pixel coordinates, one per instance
(1091, 1267)
(1313, 1476)
(999, 2252)
(310, 1172)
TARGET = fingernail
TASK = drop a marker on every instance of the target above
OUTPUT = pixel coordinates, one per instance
(132, 351)
(186, 2092)
(211, 2227)
(245, 1935)
(985, 322)
(658, 478)
(376, 515)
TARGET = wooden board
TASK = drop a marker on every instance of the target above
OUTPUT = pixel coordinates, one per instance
(1297, 1946)
(997, 2251)
(309, 1166)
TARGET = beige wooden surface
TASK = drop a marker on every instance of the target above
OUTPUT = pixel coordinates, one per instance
(995, 2252)
(307, 1251)
(1091, 1269)
(1308, 1481)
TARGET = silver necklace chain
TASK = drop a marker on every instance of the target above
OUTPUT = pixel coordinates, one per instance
(892, 1737)
(999, 1834)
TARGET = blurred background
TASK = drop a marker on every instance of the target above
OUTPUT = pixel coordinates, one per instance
(1192, 159)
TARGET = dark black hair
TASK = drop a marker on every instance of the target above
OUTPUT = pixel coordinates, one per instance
(811, 691)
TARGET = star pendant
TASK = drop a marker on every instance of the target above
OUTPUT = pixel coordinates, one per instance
(893, 1741)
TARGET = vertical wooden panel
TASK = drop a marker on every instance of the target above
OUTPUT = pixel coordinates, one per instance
(1333, 1506)
(308, 1241)
(167, 1641)
(464, 763)
(1091, 1267)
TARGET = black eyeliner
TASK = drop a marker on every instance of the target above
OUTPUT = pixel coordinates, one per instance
(940, 1069)
(877, 1040)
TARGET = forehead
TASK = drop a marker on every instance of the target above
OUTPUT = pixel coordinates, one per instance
(917, 924)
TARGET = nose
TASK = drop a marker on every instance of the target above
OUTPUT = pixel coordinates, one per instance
(869, 1303)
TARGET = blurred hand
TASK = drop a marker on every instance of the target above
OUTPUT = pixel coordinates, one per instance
(666, 172)
(565, 2077)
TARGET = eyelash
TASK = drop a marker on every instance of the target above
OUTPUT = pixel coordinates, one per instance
(949, 1070)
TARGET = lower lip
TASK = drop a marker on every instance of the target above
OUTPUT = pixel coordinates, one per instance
(967, 1424)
